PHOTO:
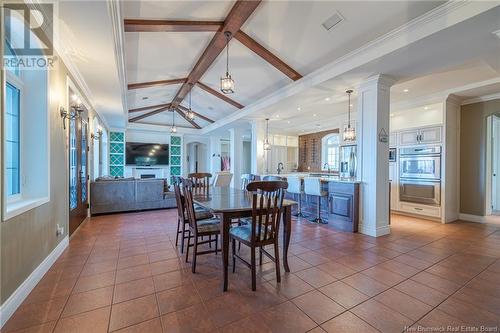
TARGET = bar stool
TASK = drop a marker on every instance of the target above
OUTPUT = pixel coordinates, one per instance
(312, 186)
(295, 188)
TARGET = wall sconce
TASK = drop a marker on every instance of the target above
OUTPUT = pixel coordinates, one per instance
(96, 136)
(75, 111)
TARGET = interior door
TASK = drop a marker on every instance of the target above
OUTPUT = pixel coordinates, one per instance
(78, 171)
(495, 181)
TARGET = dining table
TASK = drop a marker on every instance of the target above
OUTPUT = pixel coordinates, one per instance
(230, 204)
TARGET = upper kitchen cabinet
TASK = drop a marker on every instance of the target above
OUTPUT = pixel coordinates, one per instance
(426, 135)
(393, 140)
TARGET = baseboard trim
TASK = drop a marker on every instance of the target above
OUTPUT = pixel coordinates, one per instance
(10, 306)
(374, 232)
(492, 219)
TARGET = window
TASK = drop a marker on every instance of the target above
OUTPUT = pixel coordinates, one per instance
(330, 156)
(12, 141)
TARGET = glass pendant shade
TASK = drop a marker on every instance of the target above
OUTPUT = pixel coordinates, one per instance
(190, 113)
(227, 84)
(349, 132)
(173, 129)
(267, 145)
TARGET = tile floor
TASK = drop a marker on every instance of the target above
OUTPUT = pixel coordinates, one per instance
(123, 273)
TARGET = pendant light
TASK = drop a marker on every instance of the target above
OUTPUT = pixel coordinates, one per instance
(227, 83)
(173, 129)
(349, 132)
(267, 145)
(190, 113)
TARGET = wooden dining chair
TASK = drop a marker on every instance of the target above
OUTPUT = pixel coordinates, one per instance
(201, 182)
(272, 178)
(198, 228)
(267, 209)
(182, 220)
(245, 180)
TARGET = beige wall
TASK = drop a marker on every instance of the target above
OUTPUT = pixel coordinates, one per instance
(473, 155)
(27, 239)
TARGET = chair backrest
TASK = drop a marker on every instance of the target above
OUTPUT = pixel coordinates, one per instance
(312, 185)
(188, 186)
(246, 179)
(223, 179)
(272, 178)
(179, 198)
(200, 182)
(294, 184)
(267, 207)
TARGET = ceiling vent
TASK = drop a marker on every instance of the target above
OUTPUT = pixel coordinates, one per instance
(332, 21)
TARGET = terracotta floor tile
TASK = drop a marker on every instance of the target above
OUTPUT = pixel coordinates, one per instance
(175, 299)
(313, 258)
(469, 313)
(190, 320)
(165, 266)
(438, 318)
(483, 301)
(51, 289)
(133, 312)
(28, 315)
(150, 326)
(140, 259)
(286, 317)
(383, 276)
(133, 273)
(414, 262)
(133, 289)
(337, 270)
(250, 324)
(88, 300)
(365, 284)
(443, 285)
(381, 317)
(315, 277)
(99, 267)
(421, 292)
(291, 286)
(348, 323)
(94, 282)
(399, 268)
(406, 305)
(95, 321)
(317, 306)
(227, 308)
(344, 294)
(171, 280)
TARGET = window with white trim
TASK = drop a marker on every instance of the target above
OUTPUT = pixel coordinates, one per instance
(330, 155)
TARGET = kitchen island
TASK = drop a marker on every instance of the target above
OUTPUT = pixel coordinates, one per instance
(340, 207)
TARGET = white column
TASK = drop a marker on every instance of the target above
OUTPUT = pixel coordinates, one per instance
(373, 110)
(258, 155)
(214, 155)
(236, 155)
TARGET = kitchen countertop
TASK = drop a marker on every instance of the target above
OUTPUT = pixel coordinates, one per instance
(325, 177)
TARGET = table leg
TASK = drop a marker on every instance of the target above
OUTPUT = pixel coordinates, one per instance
(225, 223)
(287, 230)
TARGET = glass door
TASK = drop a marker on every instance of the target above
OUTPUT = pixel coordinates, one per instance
(78, 170)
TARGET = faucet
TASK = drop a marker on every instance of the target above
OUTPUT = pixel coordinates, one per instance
(327, 166)
(280, 167)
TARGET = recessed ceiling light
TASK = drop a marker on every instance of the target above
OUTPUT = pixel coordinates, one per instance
(426, 108)
(303, 130)
(350, 105)
(314, 115)
(298, 109)
(277, 116)
(327, 99)
(288, 121)
(405, 90)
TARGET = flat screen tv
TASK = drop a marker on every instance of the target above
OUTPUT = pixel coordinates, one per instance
(146, 154)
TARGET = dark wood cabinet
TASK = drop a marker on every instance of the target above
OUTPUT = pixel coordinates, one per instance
(343, 205)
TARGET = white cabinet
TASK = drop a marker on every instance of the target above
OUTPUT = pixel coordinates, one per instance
(292, 141)
(279, 140)
(430, 135)
(393, 139)
(393, 177)
(426, 135)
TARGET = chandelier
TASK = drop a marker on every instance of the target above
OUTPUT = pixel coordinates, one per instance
(267, 145)
(173, 129)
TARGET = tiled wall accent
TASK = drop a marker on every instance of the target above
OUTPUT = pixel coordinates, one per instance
(116, 154)
(175, 156)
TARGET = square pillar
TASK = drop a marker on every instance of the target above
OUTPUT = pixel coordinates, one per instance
(373, 138)
(236, 155)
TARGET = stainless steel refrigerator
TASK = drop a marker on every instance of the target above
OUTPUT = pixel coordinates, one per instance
(348, 161)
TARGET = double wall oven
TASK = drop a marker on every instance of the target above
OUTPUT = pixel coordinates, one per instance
(420, 175)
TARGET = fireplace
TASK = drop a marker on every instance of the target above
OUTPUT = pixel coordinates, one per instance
(148, 176)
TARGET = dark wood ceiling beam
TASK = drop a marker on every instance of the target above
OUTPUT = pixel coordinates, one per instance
(132, 86)
(144, 108)
(267, 55)
(140, 25)
(149, 114)
(196, 114)
(239, 14)
(183, 115)
(219, 95)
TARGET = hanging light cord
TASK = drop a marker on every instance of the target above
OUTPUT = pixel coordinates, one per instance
(190, 98)
(173, 118)
(227, 54)
(349, 112)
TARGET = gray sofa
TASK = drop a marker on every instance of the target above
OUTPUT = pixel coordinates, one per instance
(128, 194)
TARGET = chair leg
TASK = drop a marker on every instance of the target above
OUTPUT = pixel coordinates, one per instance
(195, 253)
(254, 270)
(216, 243)
(277, 261)
(210, 241)
(187, 247)
(299, 208)
(233, 243)
(178, 230)
(183, 236)
(260, 256)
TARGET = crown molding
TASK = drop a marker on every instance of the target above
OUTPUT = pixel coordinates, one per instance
(116, 18)
(480, 99)
(440, 18)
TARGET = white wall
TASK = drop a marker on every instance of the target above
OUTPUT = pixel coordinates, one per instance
(425, 115)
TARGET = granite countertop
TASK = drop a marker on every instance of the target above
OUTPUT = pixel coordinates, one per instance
(325, 177)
